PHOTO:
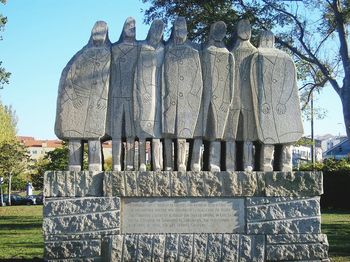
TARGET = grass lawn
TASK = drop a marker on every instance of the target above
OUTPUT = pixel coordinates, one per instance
(20, 232)
(21, 235)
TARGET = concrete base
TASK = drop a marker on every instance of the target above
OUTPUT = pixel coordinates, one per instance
(280, 216)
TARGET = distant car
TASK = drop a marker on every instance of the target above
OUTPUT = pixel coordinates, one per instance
(39, 199)
(30, 200)
(15, 200)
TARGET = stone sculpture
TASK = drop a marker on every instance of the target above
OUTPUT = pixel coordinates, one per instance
(182, 93)
(147, 94)
(120, 120)
(156, 92)
(82, 99)
(217, 68)
(278, 114)
(242, 125)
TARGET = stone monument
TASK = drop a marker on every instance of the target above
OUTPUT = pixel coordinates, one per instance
(181, 95)
(82, 100)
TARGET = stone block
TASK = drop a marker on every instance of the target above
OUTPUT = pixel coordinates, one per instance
(184, 247)
(298, 247)
(145, 183)
(293, 183)
(81, 216)
(213, 184)
(162, 183)
(179, 184)
(272, 215)
(195, 183)
(113, 184)
(73, 184)
(130, 183)
(86, 249)
(239, 183)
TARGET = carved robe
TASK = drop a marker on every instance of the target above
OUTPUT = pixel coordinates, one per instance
(217, 68)
(182, 90)
(121, 118)
(241, 123)
(278, 115)
(147, 92)
(82, 95)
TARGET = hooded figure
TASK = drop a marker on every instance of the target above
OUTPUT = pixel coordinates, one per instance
(241, 124)
(217, 68)
(278, 116)
(147, 94)
(120, 115)
(182, 94)
(82, 99)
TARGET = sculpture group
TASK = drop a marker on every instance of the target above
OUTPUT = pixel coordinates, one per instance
(241, 104)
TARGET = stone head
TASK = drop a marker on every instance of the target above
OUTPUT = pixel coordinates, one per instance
(99, 33)
(155, 33)
(267, 39)
(180, 30)
(217, 31)
(244, 30)
(129, 30)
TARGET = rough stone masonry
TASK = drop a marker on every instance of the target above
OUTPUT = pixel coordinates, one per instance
(217, 183)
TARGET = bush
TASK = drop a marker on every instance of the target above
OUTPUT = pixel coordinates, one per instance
(336, 182)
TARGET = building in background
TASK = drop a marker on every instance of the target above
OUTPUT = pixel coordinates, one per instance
(339, 151)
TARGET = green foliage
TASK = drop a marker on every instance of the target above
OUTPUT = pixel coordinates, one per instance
(8, 124)
(107, 165)
(329, 166)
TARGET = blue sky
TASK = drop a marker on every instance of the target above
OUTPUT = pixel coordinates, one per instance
(42, 35)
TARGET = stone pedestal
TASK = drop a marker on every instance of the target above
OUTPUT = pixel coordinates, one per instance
(191, 216)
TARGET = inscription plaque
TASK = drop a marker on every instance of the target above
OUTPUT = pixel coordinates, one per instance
(159, 215)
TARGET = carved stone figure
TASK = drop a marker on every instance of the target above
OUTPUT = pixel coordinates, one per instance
(242, 126)
(82, 99)
(182, 93)
(121, 122)
(147, 94)
(217, 68)
(278, 113)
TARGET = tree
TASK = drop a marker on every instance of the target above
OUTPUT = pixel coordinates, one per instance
(4, 75)
(14, 160)
(8, 124)
(318, 41)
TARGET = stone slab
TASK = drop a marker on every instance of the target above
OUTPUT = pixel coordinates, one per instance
(81, 216)
(283, 215)
(73, 184)
(184, 247)
(293, 183)
(303, 247)
(178, 215)
(85, 250)
(212, 184)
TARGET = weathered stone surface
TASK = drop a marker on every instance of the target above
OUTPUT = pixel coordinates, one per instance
(87, 249)
(162, 183)
(293, 183)
(283, 215)
(204, 184)
(305, 247)
(80, 216)
(179, 184)
(182, 215)
(73, 184)
(185, 247)
(195, 184)
(113, 184)
(239, 183)
(62, 207)
(145, 183)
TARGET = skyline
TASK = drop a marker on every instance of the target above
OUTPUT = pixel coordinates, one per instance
(37, 44)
